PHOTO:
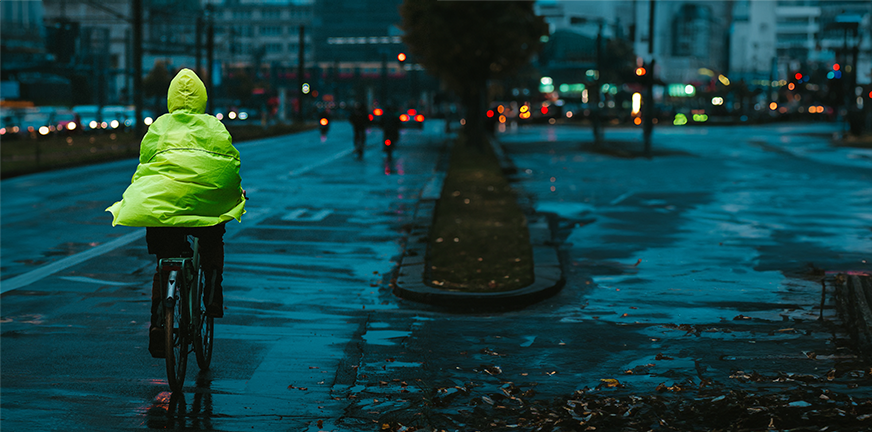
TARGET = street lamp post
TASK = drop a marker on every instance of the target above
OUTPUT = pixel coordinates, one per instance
(594, 94)
(848, 23)
(648, 126)
(137, 66)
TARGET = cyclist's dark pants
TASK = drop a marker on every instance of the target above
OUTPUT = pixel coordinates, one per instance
(168, 242)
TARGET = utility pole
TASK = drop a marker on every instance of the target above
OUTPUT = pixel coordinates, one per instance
(383, 89)
(597, 87)
(198, 42)
(137, 66)
(301, 59)
(210, 57)
(648, 126)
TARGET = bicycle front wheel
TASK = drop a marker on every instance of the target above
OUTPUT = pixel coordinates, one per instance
(176, 341)
(205, 336)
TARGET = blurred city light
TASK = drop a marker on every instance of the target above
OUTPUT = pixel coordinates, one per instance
(637, 103)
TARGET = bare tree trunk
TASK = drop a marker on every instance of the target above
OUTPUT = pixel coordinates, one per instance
(474, 102)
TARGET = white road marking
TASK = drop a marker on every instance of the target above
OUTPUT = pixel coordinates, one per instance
(300, 215)
(48, 270)
(312, 166)
(95, 281)
(621, 198)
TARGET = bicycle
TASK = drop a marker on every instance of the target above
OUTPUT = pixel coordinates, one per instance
(184, 314)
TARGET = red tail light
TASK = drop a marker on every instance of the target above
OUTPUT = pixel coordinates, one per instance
(387, 142)
(419, 118)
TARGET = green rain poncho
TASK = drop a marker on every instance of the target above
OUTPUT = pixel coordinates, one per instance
(188, 173)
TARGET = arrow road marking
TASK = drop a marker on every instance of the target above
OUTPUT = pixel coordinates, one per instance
(298, 215)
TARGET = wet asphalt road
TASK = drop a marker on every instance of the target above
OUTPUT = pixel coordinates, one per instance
(698, 264)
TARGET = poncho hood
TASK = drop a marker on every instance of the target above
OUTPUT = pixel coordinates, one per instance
(187, 92)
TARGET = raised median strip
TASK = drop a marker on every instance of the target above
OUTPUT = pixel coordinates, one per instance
(412, 282)
(416, 279)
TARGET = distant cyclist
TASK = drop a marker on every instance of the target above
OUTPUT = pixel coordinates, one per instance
(391, 128)
(187, 182)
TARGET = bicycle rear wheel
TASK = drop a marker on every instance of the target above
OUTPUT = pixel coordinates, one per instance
(177, 343)
(205, 332)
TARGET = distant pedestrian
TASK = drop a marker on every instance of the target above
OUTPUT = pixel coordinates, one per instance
(187, 183)
(359, 119)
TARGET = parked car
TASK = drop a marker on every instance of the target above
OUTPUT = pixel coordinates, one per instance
(66, 122)
(36, 122)
(89, 116)
(115, 117)
(148, 117)
(412, 119)
(10, 122)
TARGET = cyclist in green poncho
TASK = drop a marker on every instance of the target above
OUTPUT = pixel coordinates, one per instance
(187, 182)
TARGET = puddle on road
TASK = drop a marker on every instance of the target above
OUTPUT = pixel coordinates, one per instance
(385, 337)
(568, 210)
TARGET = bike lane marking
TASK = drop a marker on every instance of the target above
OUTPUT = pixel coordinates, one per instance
(50, 269)
(32, 276)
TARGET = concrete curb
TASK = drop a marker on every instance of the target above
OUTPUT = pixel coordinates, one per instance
(412, 281)
(854, 304)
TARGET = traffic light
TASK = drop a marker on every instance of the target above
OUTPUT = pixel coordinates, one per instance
(401, 57)
(640, 71)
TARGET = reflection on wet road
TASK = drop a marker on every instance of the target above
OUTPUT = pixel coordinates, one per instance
(700, 267)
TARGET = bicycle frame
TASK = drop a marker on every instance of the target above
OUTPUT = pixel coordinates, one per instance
(189, 266)
(187, 328)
